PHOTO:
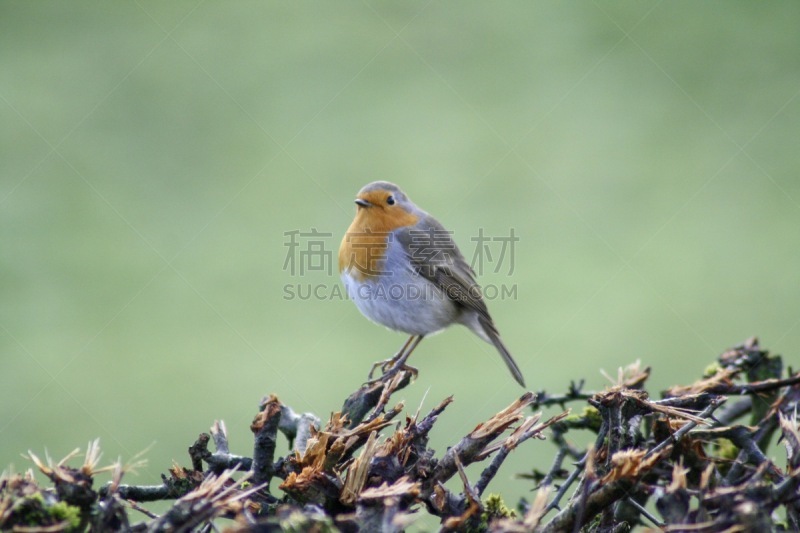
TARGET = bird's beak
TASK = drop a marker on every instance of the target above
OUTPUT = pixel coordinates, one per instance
(362, 203)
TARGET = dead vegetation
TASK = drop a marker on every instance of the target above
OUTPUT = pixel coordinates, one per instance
(694, 460)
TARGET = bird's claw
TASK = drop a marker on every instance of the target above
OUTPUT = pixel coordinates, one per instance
(390, 367)
(410, 369)
(384, 365)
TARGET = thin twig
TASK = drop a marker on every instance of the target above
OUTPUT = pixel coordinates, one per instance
(563, 489)
(574, 393)
(645, 513)
(757, 386)
(690, 425)
(555, 468)
(136, 507)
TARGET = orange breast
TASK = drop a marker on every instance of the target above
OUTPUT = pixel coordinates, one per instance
(367, 239)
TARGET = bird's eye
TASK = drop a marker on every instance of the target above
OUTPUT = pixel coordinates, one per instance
(390, 200)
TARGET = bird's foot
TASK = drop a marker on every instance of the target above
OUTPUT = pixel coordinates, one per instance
(384, 365)
(389, 368)
(404, 368)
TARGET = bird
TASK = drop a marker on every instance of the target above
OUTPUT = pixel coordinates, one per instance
(403, 270)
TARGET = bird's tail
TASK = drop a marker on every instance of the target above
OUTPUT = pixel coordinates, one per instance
(494, 337)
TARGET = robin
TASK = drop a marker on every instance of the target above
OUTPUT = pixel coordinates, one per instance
(403, 270)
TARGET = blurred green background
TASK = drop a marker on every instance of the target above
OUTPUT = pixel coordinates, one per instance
(154, 154)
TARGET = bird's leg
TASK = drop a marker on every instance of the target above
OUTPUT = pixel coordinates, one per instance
(400, 362)
(399, 359)
(386, 363)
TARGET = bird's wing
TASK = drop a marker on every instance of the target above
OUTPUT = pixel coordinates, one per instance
(434, 255)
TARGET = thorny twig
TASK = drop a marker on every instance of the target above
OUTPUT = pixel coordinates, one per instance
(574, 393)
(525, 431)
(362, 471)
(686, 428)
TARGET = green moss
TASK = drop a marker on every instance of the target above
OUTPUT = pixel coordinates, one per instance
(725, 449)
(596, 525)
(593, 418)
(62, 511)
(588, 418)
(30, 512)
(495, 509)
(711, 369)
(593, 525)
(33, 511)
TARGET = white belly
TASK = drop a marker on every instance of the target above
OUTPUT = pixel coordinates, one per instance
(402, 301)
